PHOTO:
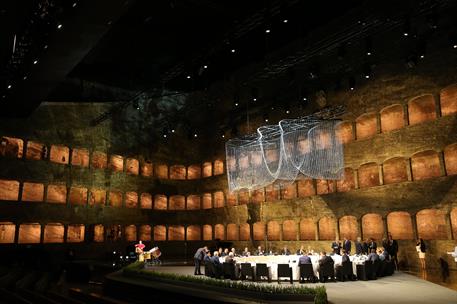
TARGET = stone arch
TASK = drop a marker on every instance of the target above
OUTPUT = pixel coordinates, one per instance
(307, 229)
(392, 118)
(431, 224)
(348, 227)
(273, 231)
(207, 233)
(289, 230)
(372, 226)
(399, 224)
(366, 125)
(344, 132)
(395, 170)
(219, 232)
(327, 228)
(421, 109)
(425, 164)
(176, 233)
(232, 232)
(368, 175)
(53, 233)
(193, 233)
(448, 100)
(259, 231)
(450, 159)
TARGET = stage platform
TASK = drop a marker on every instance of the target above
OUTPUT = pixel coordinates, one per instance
(399, 288)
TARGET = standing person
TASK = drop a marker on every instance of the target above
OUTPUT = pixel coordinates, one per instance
(392, 249)
(366, 249)
(198, 258)
(372, 245)
(336, 246)
(421, 248)
(358, 246)
(347, 245)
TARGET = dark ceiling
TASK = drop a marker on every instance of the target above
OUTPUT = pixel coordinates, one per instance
(131, 50)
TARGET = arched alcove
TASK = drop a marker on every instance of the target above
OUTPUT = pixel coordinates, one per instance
(395, 170)
(448, 100)
(348, 227)
(369, 175)
(348, 182)
(273, 231)
(372, 226)
(289, 230)
(421, 109)
(366, 125)
(392, 118)
(176, 233)
(399, 224)
(80, 157)
(425, 164)
(32, 192)
(431, 224)
(53, 233)
(193, 233)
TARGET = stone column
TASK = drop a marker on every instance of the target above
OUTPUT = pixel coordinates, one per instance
(414, 224)
(16, 233)
(386, 230)
(360, 226)
(70, 155)
(281, 230)
(442, 163)
(381, 174)
(354, 130)
(185, 233)
(409, 169)
(378, 123)
(65, 233)
(449, 226)
(436, 97)
(298, 230)
(42, 226)
(405, 114)
(166, 232)
(356, 177)
(24, 148)
(316, 224)
(337, 229)
(21, 188)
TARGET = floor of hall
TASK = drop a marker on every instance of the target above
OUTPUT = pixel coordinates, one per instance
(400, 288)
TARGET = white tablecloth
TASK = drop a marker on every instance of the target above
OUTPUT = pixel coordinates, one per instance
(272, 262)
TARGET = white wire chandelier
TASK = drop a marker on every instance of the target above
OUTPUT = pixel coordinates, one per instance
(307, 147)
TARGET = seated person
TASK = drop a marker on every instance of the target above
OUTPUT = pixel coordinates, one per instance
(324, 261)
(217, 264)
(301, 251)
(246, 252)
(207, 257)
(229, 258)
(225, 252)
(304, 259)
(344, 256)
(285, 251)
(373, 256)
(259, 251)
(233, 250)
(383, 255)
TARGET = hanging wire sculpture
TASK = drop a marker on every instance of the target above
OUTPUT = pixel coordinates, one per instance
(307, 147)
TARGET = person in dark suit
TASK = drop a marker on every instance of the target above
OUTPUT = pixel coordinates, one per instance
(229, 258)
(344, 256)
(246, 252)
(366, 249)
(225, 252)
(336, 246)
(372, 245)
(373, 256)
(347, 245)
(198, 258)
(324, 261)
(301, 251)
(259, 251)
(358, 246)
(285, 251)
(304, 259)
(392, 249)
(217, 264)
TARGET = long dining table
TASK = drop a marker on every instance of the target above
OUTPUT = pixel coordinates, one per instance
(272, 262)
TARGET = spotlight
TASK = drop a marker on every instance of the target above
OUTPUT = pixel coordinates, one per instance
(205, 66)
(285, 21)
(352, 83)
(188, 77)
(25, 77)
(406, 27)
(35, 62)
(367, 71)
(254, 99)
(74, 4)
(222, 133)
(455, 46)
(59, 26)
(233, 50)
(165, 135)
(267, 31)
(368, 46)
(9, 86)
(236, 104)
(172, 130)
(305, 99)
(45, 47)
(195, 135)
